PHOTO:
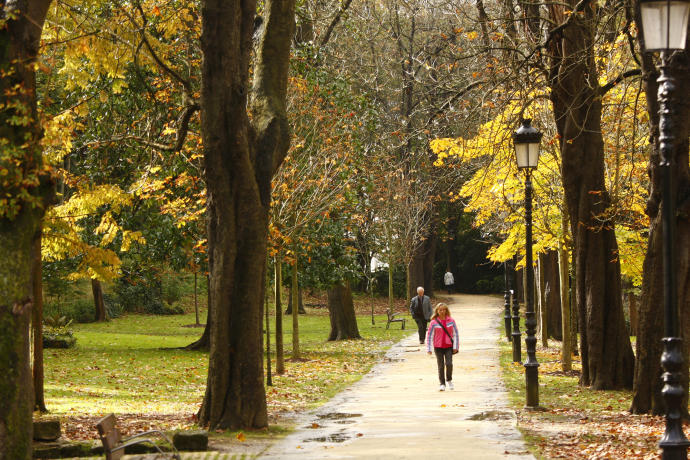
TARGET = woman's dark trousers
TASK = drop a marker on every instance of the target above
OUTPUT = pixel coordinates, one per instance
(444, 354)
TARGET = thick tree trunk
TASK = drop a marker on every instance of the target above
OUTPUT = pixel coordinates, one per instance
(37, 325)
(607, 357)
(26, 192)
(341, 311)
(97, 291)
(420, 271)
(267, 331)
(566, 349)
(240, 158)
(300, 302)
(280, 350)
(518, 283)
(542, 312)
(552, 293)
(647, 387)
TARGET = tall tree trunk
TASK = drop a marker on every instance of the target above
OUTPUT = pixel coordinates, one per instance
(97, 291)
(296, 354)
(552, 293)
(26, 192)
(647, 387)
(341, 311)
(300, 302)
(632, 306)
(389, 241)
(37, 325)
(196, 299)
(543, 313)
(607, 357)
(269, 376)
(240, 158)
(420, 270)
(204, 342)
(566, 349)
(280, 350)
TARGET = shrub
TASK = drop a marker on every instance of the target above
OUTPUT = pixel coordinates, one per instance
(138, 291)
(112, 308)
(399, 282)
(172, 289)
(79, 311)
(57, 332)
(165, 309)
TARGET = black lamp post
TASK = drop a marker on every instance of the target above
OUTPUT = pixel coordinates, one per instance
(506, 300)
(526, 140)
(664, 25)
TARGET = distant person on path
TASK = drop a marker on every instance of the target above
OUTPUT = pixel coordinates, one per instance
(443, 334)
(449, 281)
(420, 309)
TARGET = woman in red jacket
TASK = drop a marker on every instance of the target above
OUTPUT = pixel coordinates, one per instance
(443, 334)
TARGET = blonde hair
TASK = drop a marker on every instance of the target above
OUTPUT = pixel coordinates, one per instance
(439, 306)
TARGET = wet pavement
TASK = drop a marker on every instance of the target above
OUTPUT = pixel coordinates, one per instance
(396, 411)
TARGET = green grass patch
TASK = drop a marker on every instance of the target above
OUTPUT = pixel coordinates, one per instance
(133, 365)
(557, 389)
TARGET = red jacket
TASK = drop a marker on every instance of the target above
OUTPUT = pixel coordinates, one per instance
(440, 339)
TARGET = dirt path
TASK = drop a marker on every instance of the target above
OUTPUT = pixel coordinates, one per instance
(396, 411)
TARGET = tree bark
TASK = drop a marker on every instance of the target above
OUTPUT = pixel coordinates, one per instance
(280, 350)
(341, 311)
(421, 268)
(240, 158)
(607, 357)
(196, 299)
(204, 342)
(542, 312)
(518, 283)
(300, 302)
(552, 293)
(566, 349)
(296, 354)
(37, 325)
(650, 326)
(632, 306)
(97, 291)
(26, 191)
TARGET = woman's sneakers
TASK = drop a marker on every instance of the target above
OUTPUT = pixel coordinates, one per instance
(442, 388)
(450, 385)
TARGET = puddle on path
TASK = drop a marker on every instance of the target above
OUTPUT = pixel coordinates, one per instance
(337, 416)
(491, 415)
(335, 437)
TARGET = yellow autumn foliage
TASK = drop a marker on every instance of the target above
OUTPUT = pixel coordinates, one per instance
(62, 232)
(495, 193)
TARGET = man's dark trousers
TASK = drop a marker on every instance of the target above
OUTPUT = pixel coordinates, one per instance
(421, 328)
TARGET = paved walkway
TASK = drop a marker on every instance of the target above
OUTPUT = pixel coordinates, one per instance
(396, 411)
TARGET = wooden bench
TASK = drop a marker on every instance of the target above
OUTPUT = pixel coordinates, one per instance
(392, 319)
(113, 444)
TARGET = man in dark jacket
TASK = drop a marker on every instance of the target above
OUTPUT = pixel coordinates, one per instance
(420, 309)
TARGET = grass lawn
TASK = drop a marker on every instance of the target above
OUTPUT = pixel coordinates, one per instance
(576, 422)
(132, 366)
